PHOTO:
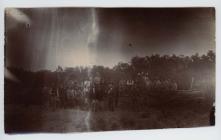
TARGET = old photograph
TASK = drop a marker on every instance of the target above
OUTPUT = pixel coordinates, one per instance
(71, 70)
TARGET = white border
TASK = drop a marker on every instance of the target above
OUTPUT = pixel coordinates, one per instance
(206, 133)
(112, 3)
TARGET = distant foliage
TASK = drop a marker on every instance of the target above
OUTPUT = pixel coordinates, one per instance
(181, 69)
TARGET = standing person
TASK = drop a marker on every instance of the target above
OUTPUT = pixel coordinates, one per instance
(110, 97)
(97, 86)
(86, 90)
(46, 96)
(135, 97)
(94, 97)
(212, 115)
(54, 98)
(63, 97)
(116, 94)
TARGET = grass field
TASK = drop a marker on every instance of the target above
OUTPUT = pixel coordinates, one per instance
(179, 111)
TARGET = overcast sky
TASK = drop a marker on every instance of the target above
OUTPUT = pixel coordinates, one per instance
(43, 38)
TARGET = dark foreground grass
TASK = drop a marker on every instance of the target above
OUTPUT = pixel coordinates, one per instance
(179, 111)
(152, 119)
(73, 120)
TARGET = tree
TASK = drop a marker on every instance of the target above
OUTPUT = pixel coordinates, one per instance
(211, 55)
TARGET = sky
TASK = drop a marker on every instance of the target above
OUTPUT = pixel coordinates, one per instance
(43, 38)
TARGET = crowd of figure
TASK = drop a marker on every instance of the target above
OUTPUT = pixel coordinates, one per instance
(96, 94)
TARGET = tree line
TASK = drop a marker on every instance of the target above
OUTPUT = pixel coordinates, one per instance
(188, 72)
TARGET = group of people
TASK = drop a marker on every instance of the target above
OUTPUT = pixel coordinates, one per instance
(96, 94)
(85, 95)
(150, 85)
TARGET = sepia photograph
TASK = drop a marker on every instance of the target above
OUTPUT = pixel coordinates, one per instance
(85, 69)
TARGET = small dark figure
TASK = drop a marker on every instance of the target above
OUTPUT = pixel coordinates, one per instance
(111, 97)
(212, 115)
(116, 95)
(63, 97)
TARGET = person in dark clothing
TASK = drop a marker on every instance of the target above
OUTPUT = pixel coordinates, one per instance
(110, 94)
(63, 97)
(116, 95)
(212, 115)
